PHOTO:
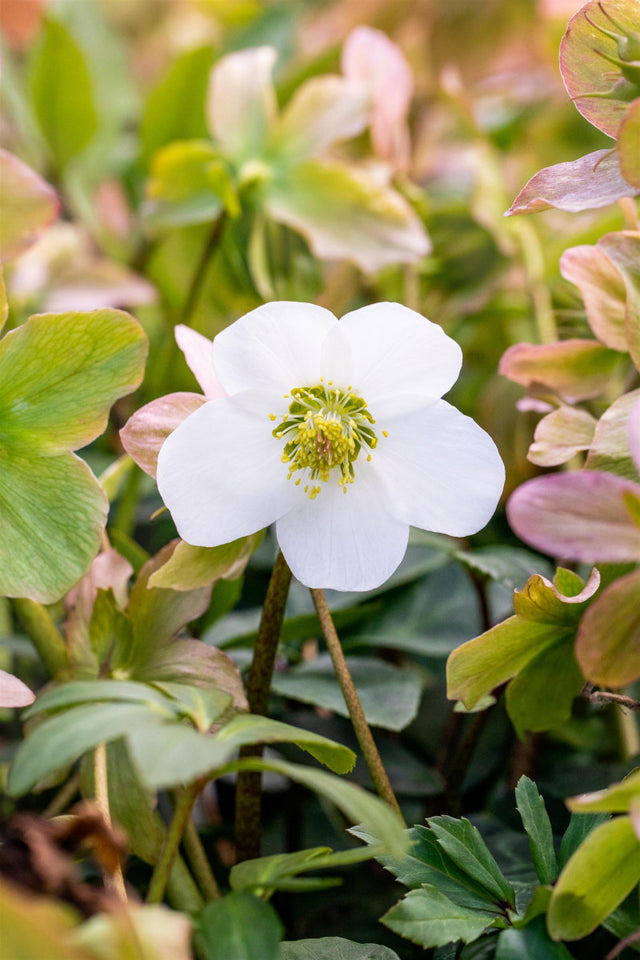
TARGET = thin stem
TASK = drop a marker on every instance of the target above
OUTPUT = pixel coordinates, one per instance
(112, 881)
(461, 760)
(63, 797)
(199, 863)
(352, 700)
(44, 634)
(197, 281)
(249, 784)
(172, 839)
(604, 696)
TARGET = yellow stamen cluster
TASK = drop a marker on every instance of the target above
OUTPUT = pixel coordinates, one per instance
(324, 429)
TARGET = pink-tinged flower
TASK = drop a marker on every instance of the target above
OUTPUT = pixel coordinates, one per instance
(145, 432)
(371, 58)
(334, 430)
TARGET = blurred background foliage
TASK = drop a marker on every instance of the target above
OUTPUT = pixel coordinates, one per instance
(92, 91)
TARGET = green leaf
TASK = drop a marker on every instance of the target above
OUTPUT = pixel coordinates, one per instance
(580, 826)
(93, 691)
(175, 107)
(158, 614)
(107, 626)
(531, 942)
(62, 95)
(60, 374)
(390, 696)
(427, 917)
(334, 948)
(60, 740)
(374, 815)
(52, 514)
(535, 820)
(189, 567)
(266, 874)
(428, 863)
(189, 184)
(250, 728)
(203, 706)
(608, 640)
(174, 754)
(238, 927)
(615, 799)
(599, 875)
(27, 205)
(541, 696)
(464, 844)
(480, 665)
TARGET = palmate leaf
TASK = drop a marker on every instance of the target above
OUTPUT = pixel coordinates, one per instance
(59, 375)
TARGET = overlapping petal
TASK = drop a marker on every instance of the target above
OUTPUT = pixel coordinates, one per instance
(275, 347)
(396, 350)
(221, 474)
(445, 471)
(344, 541)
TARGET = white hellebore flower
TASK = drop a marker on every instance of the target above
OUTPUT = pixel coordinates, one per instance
(334, 430)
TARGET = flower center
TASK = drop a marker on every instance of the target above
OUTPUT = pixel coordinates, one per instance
(325, 429)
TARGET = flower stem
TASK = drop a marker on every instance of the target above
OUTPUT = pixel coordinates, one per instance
(249, 785)
(197, 281)
(199, 863)
(112, 881)
(172, 840)
(358, 719)
(44, 634)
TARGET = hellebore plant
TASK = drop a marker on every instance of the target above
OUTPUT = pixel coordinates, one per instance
(276, 161)
(334, 430)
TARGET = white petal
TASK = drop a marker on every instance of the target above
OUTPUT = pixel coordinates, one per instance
(241, 101)
(445, 471)
(344, 541)
(220, 472)
(399, 351)
(275, 347)
(198, 353)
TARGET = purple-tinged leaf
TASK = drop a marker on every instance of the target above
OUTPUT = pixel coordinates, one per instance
(13, 692)
(610, 449)
(578, 516)
(597, 84)
(634, 434)
(144, 433)
(560, 435)
(603, 290)
(27, 206)
(587, 183)
(629, 144)
(608, 640)
(574, 369)
(623, 249)
(559, 602)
